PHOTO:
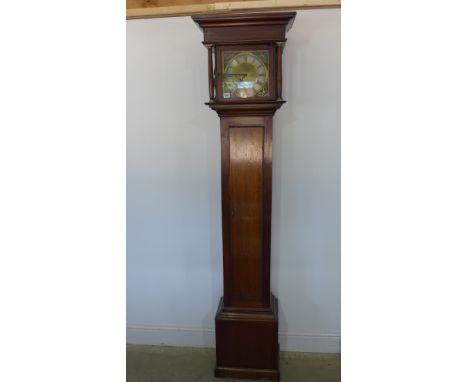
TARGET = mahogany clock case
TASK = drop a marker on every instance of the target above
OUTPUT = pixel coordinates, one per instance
(247, 318)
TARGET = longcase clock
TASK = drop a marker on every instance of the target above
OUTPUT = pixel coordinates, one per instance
(245, 84)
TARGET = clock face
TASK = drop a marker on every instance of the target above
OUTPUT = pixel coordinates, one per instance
(245, 74)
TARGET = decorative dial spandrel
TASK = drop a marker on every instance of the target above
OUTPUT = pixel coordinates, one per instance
(245, 74)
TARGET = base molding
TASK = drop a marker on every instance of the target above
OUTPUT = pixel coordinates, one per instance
(164, 335)
(239, 372)
(247, 342)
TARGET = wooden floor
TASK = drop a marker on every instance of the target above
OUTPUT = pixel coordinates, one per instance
(171, 364)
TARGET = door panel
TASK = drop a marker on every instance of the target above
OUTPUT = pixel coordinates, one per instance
(246, 212)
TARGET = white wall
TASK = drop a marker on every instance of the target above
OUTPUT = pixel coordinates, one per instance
(174, 253)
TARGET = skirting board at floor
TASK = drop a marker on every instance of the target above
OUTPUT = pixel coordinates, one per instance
(199, 337)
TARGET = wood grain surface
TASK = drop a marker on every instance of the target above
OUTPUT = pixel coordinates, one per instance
(167, 8)
(246, 219)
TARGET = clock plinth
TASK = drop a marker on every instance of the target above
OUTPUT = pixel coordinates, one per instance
(247, 342)
(244, 67)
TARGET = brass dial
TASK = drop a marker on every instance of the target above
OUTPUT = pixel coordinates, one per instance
(245, 74)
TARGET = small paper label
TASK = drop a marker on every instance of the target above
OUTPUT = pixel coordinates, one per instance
(227, 95)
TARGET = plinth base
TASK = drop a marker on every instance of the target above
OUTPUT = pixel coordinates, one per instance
(247, 342)
(238, 372)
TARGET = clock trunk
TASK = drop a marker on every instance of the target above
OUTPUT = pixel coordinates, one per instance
(246, 197)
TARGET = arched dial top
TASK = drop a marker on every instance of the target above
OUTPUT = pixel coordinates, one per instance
(245, 74)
